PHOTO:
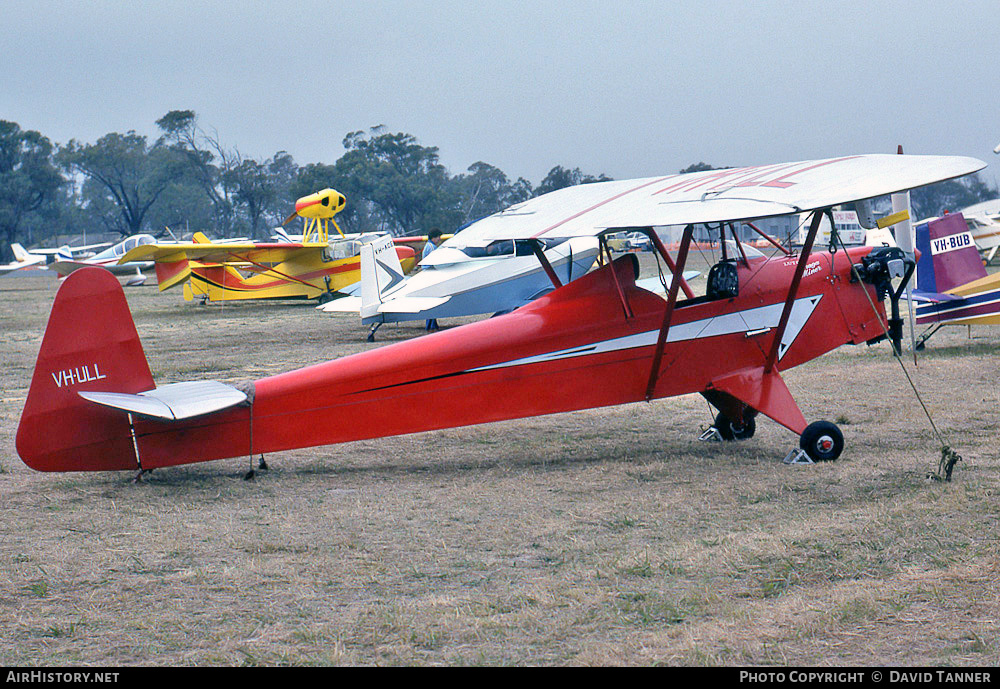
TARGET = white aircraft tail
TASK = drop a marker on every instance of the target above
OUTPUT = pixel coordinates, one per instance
(20, 253)
(64, 253)
(381, 271)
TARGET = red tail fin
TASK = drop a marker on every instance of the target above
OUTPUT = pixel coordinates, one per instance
(91, 344)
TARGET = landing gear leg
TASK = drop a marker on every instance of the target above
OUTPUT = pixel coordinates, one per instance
(371, 333)
(261, 466)
(729, 429)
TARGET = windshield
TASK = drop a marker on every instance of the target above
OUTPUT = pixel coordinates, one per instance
(507, 247)
(121, 248)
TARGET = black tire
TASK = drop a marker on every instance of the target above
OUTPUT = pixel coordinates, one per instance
(730, 431)
(822, 441)
(325, 298)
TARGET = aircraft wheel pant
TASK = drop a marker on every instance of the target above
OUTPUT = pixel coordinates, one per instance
(822, 441)
(730, 430)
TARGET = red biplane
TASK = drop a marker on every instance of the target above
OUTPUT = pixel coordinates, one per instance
(597, 341)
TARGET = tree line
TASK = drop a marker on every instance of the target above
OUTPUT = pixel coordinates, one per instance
(187, 179)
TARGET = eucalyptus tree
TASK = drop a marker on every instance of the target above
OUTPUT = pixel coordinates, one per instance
(560, 177)
(125, 173)
(408, 188)
(486, 189)
(29, 180)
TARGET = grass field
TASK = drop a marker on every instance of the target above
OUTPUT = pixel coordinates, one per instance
(603, 537)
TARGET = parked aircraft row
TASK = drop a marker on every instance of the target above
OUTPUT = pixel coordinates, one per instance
(596, 341)
(458, 279)
(39, 258)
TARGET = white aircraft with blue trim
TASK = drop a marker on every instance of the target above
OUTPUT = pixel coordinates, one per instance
(108, 259)
(458, 279)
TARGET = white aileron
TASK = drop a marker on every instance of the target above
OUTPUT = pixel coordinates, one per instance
(173, 402)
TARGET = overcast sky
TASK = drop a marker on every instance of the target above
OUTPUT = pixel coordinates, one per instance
(620, 87)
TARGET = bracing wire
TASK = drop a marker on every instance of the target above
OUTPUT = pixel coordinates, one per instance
(948, 456)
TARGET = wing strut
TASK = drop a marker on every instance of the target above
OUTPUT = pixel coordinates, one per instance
(767, 237)
(536, 247)
(738, 243)
(678, 280)
(779, 333)
(662, 250)
(270, 269)
(626, 308)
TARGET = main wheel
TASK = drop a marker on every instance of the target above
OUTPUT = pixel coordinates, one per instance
(730, 430)
(822, 441)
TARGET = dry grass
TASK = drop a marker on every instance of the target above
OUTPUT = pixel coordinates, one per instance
(603, 537)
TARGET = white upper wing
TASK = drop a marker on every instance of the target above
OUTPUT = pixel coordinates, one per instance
(714, 195)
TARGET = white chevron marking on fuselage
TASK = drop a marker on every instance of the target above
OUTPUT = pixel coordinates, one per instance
(758, 319)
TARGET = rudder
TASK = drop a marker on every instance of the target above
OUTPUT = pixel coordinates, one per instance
(381, 271)
(20, 253)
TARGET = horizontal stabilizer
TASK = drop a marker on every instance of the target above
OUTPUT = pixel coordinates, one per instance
(342, 305)
(931, 297)
(411, 304)
(653, 284)
(174, 401)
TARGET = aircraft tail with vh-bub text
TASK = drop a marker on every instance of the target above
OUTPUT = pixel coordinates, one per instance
(953, 286)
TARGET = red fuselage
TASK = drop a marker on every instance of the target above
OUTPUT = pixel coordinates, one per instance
(572, 349)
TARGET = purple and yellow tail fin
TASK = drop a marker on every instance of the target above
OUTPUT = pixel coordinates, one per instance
(948, 255)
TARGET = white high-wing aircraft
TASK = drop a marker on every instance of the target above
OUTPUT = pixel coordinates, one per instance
(983, 220)
(459, 280)
(108, 259)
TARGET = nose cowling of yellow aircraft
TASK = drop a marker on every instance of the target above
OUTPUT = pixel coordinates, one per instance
(322, 204)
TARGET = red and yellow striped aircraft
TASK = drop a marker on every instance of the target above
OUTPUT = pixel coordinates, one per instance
(313, 268)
